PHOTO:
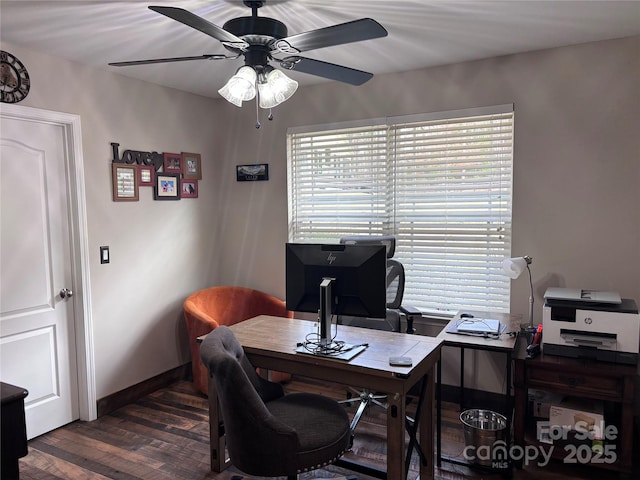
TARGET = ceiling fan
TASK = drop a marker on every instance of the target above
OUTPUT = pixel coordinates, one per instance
(261, 40)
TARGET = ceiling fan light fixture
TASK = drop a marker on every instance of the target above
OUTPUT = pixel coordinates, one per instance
(276, 88)
(241, 87)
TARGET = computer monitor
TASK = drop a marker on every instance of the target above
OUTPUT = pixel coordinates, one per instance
(336, 280)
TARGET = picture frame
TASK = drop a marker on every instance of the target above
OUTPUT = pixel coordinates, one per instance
(146, 176)
(252, 173)
(172, 163)
(167, 186)
(191, 166)
(189, 188)
(124, 179)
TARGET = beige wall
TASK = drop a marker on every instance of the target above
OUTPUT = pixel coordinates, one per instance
(576, 162)
(576, 177)
(576, 205)
(160, 251)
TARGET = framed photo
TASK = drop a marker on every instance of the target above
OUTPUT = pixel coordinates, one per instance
(167, 186)
(125, 182)
(146, 175)
(172, 163)
(191, 166)
(189, 188)
(252, 173)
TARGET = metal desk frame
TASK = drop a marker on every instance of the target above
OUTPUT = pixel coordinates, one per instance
(505, 344)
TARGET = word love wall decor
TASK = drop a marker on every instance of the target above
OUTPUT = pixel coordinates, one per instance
(172, 175)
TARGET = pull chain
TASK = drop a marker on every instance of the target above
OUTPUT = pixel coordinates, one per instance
(257, 113)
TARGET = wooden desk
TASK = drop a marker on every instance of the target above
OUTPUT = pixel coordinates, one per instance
(504, 344)
(270, 343)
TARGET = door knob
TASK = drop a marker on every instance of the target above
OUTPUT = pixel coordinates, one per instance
(66, 293)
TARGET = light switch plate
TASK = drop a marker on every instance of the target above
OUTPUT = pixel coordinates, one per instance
(104, 254)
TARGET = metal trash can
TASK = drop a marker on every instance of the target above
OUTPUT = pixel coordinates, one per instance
(484, 430)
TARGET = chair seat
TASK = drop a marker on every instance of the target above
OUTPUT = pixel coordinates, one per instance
(322, 426)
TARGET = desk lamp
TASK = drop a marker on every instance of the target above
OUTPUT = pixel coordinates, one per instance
(513, 268)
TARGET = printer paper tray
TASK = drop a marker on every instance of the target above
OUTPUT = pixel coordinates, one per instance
(606, 341)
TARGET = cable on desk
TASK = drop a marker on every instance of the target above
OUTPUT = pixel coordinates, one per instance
(313, 344)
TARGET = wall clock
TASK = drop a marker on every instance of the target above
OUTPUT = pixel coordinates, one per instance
(14, 79)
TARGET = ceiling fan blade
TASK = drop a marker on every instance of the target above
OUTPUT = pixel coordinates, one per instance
(326, 70)
(354, 31)
(194, 21)
(174, 59)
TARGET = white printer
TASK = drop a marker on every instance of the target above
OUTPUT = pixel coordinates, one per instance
(590, 324)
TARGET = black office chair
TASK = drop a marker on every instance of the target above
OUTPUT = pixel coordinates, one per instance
(395, 290)
(268, 433)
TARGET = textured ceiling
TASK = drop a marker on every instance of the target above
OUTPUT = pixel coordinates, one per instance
(422, 33)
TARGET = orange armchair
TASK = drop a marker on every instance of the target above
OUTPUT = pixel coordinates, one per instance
(206, 309)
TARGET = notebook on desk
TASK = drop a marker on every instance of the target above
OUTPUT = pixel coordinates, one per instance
(478, 326)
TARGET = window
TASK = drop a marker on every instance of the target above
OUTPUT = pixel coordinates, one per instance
(441, 183)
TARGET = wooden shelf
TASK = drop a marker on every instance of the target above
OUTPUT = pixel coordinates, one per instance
(587, 379)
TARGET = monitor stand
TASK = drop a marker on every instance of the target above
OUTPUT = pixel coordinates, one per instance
(326, 309)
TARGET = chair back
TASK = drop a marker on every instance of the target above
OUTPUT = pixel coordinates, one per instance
(228, 305)
(256, 440)
(211, 307)
(395, 283)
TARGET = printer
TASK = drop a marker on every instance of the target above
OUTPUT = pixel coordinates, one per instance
(590, 324)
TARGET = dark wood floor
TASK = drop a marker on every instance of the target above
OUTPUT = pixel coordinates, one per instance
(165, 435)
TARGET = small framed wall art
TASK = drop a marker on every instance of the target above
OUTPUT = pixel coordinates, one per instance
(172, 163)
(189, 188)
(191, 166)
(125, 182)
(167, 186)
(146, 175)
(252, 173)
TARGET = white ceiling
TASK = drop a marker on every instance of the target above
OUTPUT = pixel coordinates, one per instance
(422, 33)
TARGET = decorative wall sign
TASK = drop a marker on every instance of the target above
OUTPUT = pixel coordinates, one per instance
(172, 163)
(252, 173)
(14, 79)
(172, 175)
(167, 186)
(125, 182)
(135, 156)
(189, 188)
(191, 166)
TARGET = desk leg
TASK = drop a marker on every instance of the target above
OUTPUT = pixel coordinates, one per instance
(439, 414)
(426, 428)
(396, 415)
(461, 379)
(520, 402)
(217, 446)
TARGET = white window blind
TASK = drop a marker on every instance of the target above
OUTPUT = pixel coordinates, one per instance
(441, 183)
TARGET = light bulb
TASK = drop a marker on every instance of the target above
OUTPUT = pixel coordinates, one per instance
(276, 89)
(241, 87)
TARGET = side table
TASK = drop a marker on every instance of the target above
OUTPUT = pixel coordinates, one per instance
(505, 343)
(587, 379)
(13, 430)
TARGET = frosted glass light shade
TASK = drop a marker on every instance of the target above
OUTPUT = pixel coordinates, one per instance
(241, 87)
(513, 267)
(276, 89)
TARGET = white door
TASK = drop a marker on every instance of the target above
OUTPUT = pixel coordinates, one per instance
(37, 334)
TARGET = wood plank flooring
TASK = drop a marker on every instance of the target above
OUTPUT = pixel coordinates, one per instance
(165, 435)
